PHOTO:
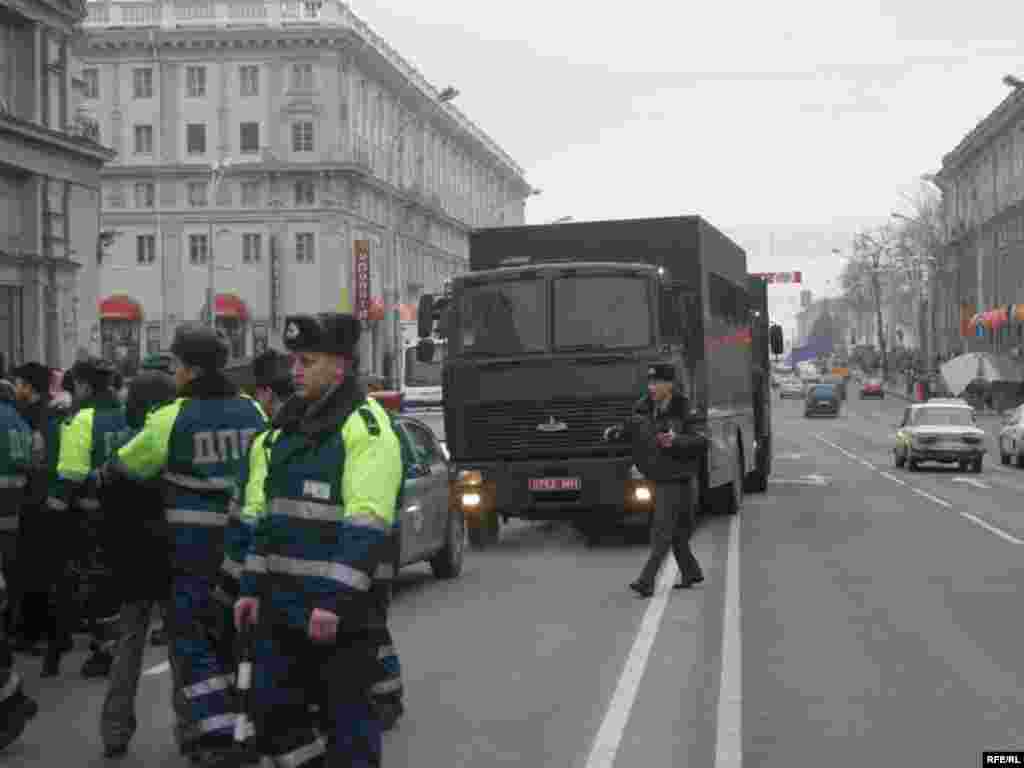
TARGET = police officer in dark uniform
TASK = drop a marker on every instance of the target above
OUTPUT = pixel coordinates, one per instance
(16, 709)
(666, 450)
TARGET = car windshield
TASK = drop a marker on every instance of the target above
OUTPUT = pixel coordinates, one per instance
(824, 390)
(502, 318)
(875, 382)
(944, 417)
(419, 374)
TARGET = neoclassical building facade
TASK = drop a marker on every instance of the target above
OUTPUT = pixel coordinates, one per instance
(49, 183)
(326, 143)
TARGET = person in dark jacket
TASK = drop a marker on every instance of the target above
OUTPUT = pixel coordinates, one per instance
(139, 553)
(46, 571)
(667, 450)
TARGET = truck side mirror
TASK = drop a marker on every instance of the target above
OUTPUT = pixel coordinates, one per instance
(775, 335)
(425, 316)
(425, 350)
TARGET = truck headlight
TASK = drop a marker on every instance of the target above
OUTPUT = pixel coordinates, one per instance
(642, 493)
(471, 499)
(471, 477)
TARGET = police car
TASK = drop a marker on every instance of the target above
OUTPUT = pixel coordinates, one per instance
(430, 528)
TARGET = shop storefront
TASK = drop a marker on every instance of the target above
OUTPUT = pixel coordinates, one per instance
(232, 318)
(121, 332)
(12, 333)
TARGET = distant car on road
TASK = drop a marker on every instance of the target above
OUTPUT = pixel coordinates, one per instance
(940, 430)
(1011, 437)
(822, 400)
(872, 388)
(791, 388)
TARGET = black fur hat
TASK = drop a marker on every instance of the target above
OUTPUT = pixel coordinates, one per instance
(330, 332)
(661, 372)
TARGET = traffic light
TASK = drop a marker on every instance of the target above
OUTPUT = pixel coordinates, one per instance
(775, 336)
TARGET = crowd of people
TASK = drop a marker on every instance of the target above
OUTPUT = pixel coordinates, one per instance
(256, 515)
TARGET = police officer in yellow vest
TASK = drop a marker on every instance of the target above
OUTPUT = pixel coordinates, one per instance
(196, 445)
(333, 471)
(90, 436)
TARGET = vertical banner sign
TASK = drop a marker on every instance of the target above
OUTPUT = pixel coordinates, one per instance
(361, 249)
(275, 283)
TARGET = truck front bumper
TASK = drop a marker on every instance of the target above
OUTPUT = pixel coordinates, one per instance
(598, 488)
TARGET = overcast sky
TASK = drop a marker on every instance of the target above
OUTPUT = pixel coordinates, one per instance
(803, 120)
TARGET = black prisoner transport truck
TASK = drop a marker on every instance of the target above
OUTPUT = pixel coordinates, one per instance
(550, 335)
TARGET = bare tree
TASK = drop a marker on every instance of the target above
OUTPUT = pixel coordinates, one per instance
(869, 276)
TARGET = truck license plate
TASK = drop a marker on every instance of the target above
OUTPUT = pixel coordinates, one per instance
(555, 484)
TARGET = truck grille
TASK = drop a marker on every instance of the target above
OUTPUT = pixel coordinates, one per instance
(509, 429)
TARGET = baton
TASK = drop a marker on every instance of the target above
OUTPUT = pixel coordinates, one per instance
(244, 725)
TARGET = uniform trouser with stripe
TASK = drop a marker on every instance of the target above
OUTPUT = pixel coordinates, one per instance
(289, 673)
(672, 528)
(200, 662)
(118, 721)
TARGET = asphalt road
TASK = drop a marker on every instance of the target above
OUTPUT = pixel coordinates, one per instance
(877, 626)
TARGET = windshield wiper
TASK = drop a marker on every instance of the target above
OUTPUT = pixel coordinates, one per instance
(586, 348)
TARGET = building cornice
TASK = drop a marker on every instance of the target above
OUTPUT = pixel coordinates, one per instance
(337, 24)
(65, 14)
(50, 139)
(982, 135)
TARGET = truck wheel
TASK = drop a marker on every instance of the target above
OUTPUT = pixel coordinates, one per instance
(483, 532)
(734, 490)
(757, 481)
(447, 564)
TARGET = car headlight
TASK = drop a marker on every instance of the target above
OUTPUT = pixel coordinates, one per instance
(642, 493)
(471, 499)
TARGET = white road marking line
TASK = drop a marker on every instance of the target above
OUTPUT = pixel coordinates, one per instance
(895, 479)
(972, 481)
(839, 448)
(609, 735)
(990, 528)
(729, 728)
(936, 499)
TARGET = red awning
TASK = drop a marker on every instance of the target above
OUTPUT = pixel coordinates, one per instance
(120, 308)
(229, 305)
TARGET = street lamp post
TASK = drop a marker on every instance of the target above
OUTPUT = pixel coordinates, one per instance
(217, 172)
(395, 294)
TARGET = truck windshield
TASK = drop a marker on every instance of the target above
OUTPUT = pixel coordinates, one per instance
(602, 312)
(419, 374)
(503, 318)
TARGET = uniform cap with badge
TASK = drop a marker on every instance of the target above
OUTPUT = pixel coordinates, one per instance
(330, 332)
(200, 346)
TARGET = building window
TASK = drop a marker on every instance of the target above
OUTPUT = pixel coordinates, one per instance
(249, 80)
(143, 139)
(197, 250)
(142, 83)
(195, 82)
(304, 249)
(91, 78)
(251, 248)
(145, 249)
(197, 194)
(250, 194)
(195, 137)
(302, 76)
(304, 192)
(145, 192)
(249, 138)
(55, 233)
(55, 100)
(302, 136)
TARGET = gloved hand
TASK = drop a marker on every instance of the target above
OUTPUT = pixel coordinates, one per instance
(247, 611)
